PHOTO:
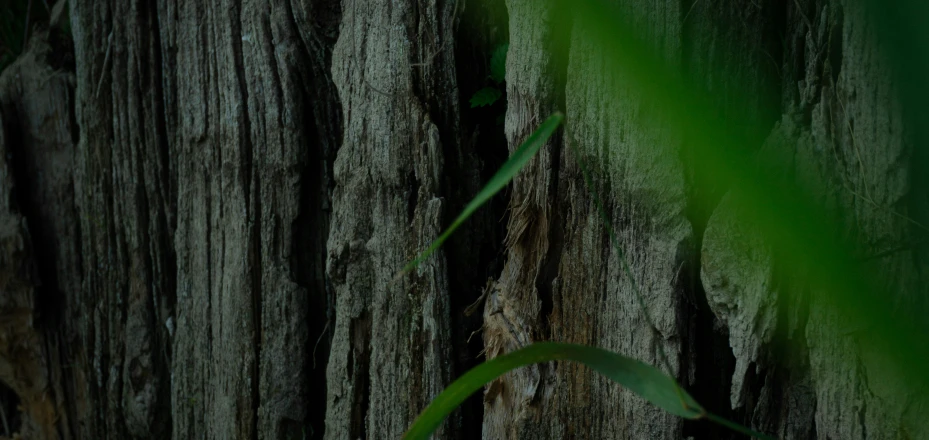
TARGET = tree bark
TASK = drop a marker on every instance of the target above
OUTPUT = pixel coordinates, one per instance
(204, 209)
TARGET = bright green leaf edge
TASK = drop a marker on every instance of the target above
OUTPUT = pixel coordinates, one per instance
(636, 376)
(506, 173)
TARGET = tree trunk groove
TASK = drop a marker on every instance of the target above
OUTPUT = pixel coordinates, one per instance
(204, 207)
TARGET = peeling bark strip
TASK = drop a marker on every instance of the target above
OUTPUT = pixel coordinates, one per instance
(591, 300)
(513, 312)
(391, 346)
(167, 268)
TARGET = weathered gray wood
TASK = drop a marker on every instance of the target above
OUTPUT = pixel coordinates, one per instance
(223, 169)
(559, 252)
(123, 193)
(40, 251)
(639, 176)
(211, 228)
(513, 309)
(258, 121)
(842, 124)
(391, 350)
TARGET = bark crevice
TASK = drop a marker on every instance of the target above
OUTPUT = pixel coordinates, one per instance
(214, 247)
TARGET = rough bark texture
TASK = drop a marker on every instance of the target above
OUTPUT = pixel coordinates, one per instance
(562, 280)
(203, 214)
(641, 181)
(513, 310)
(40, 252)
(391, 347)
(844, 126)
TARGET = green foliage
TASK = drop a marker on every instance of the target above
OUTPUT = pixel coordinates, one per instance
(491, 94)
(636, 376)
(496, 183)
(787, 215)
(498, 63)
(485, 96)
(640, 378)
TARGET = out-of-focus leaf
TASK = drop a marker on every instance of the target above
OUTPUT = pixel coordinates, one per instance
(498, 63)
(784, 212)
(485, 96)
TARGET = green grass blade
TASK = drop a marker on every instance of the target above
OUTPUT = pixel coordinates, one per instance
(506, 173)
(640, 378)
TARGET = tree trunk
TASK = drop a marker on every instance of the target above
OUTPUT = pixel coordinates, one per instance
(203, 212)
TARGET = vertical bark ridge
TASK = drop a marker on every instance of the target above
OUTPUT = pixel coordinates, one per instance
(391, 338)
(123, 201)
(268, 162)
(223, 217)
(513, 308)
(638, 175)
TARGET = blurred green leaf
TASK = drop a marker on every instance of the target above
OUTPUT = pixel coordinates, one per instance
(904, 40)
(807, 245)
(485, 96)
(785, 212)
(640, 378)
(497, 182)
(498, 63)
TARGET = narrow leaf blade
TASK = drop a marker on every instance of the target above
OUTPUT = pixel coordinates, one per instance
(640, 378)
(504, 175)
